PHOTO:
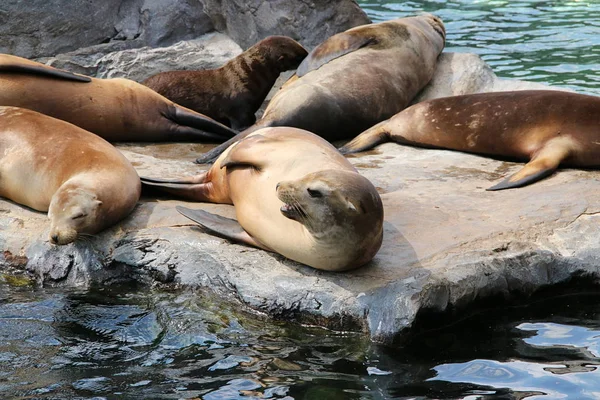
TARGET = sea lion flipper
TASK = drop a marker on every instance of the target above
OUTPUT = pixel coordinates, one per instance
(211, 155)
(10, 63)
(334, 47)
(196, 124)
(221, 226)
(543, 164)
(193, 188)
(247, 153)
(368, 139)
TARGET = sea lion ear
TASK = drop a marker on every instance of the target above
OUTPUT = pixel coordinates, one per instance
(98, 202)
(334, 47)
(351, 206)
(356, 206)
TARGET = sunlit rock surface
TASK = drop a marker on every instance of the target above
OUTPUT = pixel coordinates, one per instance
(447, 242)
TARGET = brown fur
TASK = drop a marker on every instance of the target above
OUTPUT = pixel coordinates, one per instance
(232, 94)
(355, 79)
(545, 127)
(115, 109)
(272, 178)
(51, 165)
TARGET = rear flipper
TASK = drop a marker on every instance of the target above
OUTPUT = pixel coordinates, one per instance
(368, 139)
(9, 63)
(220, 226)
(191, 188)
(544, 163)
(198, 126)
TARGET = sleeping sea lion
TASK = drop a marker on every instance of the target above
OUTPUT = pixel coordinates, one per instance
(115, 109)
(84, 183)
(546, 127)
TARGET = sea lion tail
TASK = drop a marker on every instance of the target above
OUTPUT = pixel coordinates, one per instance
(544, 163)
(211, 155)
(191, 188)
(198, 125)
(15, 64)
(368, 139)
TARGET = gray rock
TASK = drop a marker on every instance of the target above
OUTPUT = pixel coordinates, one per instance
(308, 22)
(210, 51)
(465, 73)
(447, 242)
(41, 28)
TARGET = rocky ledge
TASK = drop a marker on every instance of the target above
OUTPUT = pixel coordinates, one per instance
(447, 241)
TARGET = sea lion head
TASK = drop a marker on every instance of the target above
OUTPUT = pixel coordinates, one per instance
(340, 209)
(73, 211)
(285, 51)
(436, 23)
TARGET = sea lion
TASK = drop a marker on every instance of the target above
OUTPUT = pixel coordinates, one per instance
(546, 127)
(84, 183)
(294, 194)
(232, 94)
(115, 109)
(355, 79)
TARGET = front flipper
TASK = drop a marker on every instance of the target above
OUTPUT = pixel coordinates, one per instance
(368, 139)
(543, 164)
(212, 155)
(335, 47)
(221, 226)
(9, 63)
(248, 153)
(198, 126)
(192, 188)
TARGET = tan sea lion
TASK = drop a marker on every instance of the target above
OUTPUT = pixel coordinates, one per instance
(232, 93)
(115, 109)
(84, 183)
(355, 79)
(546, 127)
(294, 194)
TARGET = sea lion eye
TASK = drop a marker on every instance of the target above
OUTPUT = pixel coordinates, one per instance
(314, 193)
(78, 215)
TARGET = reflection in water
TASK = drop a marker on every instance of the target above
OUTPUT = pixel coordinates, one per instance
(553, 42)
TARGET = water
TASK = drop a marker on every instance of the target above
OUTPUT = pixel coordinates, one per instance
(552, 42)
(126, 343)
(152, 344)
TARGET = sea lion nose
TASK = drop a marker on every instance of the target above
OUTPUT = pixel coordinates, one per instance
(277, 187)
(54, 238)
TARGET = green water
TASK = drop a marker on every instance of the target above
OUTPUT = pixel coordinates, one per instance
(552, 42)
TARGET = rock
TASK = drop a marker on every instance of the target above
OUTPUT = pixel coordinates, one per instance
(309, 22)
(447, 242)
(464, 73)
(44, 28)
(209, 51)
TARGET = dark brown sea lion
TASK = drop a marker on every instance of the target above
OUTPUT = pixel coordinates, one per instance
(294, 194)
(232, 94)
(115, 109)
(355, 79)
(546, 127)
(84, 183)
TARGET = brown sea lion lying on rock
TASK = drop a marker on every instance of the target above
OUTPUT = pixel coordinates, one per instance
(294, 194)
(233, 93)
(115, 109)
(546, 127)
